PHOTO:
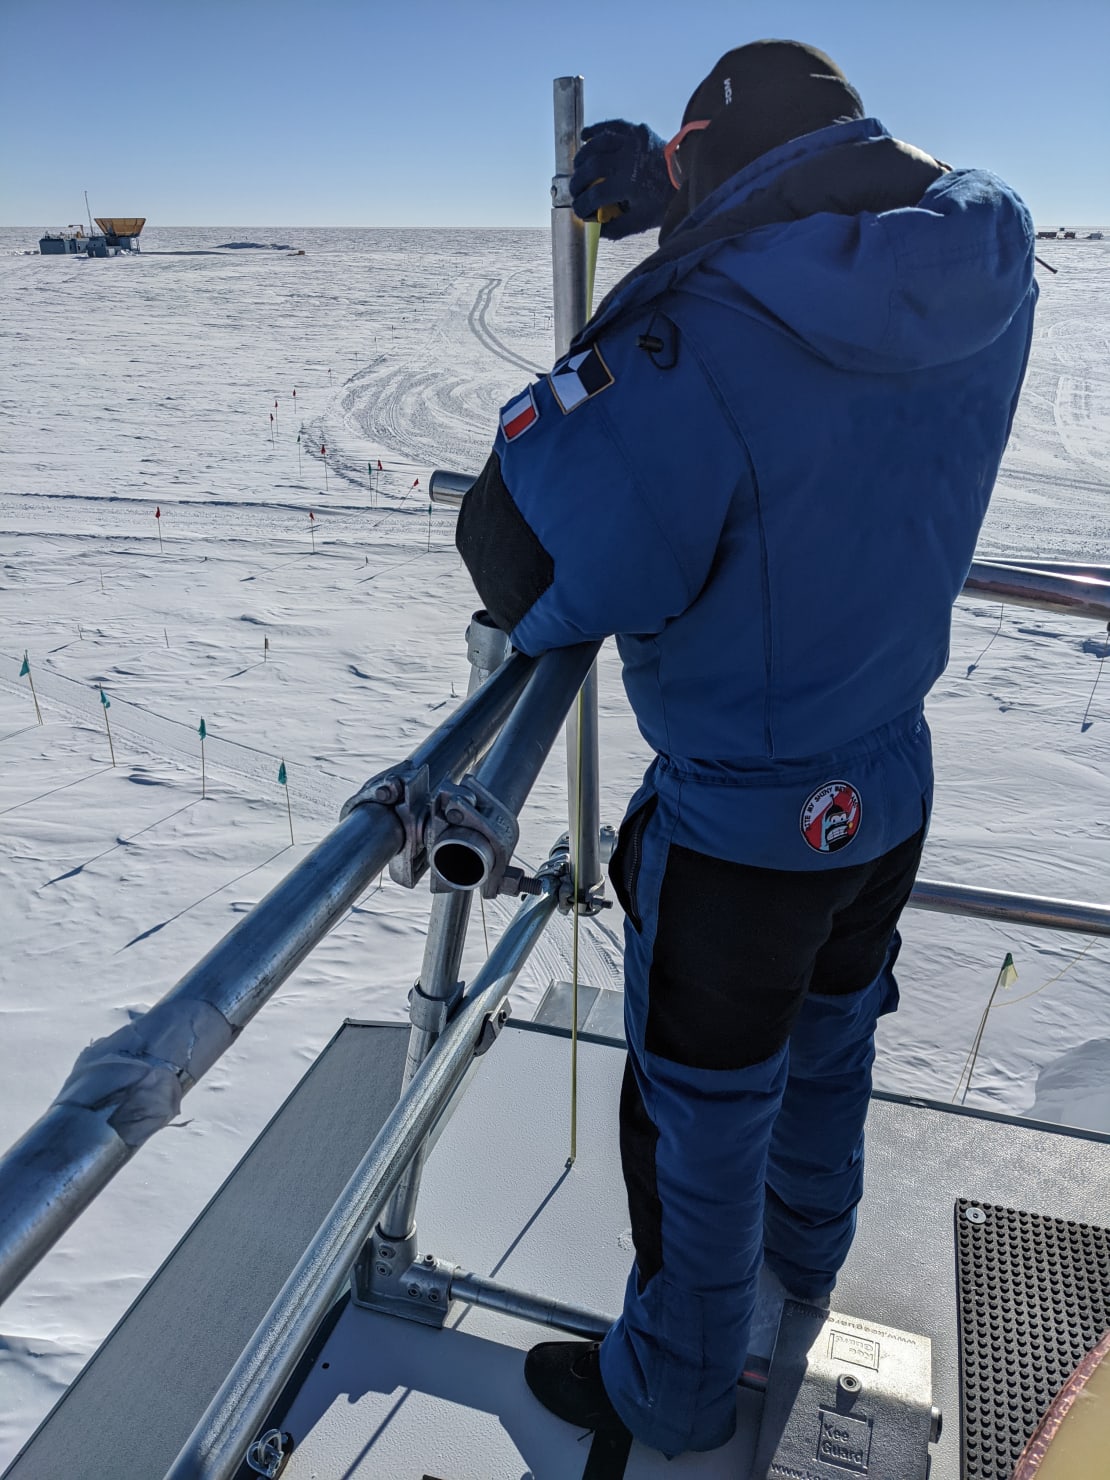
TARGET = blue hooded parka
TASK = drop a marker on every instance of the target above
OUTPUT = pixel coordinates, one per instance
(764, 466)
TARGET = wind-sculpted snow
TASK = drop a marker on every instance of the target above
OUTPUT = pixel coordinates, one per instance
(148, 383)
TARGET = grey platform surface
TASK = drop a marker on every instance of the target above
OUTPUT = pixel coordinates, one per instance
(129, 1411)
(389, 1399)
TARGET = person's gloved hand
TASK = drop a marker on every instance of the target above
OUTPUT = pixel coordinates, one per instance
(621, 164)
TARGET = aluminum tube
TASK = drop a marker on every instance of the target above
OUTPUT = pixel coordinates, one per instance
(516, 757)
(1021, 909)
(439, 974)
(47, 1180)
(1077, 596)
(475, 1289)
(445, 487)
(568, 234)
(51, 1174)
(487, 648)
(454, 747)
(1091, 569)
(588, 869)
(216, 1447)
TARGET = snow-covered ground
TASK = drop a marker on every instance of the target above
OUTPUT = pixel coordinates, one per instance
(148, 382)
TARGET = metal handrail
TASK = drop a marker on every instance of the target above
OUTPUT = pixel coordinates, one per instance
(1051, 590)
(1001, 904)
(129, 1085)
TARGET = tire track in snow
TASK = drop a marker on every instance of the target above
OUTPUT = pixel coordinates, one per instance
(485, 335)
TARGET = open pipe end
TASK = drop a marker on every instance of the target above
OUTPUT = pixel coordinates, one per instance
(462, 859)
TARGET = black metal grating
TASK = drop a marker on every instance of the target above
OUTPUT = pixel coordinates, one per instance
(1034, 1298)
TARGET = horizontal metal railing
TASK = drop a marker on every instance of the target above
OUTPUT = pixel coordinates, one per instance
(1020, 909)
(1046, 587)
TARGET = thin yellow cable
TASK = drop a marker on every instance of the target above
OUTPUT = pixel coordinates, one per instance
(575, 877)
(1013, 1001)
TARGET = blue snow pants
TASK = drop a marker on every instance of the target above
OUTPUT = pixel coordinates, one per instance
(751, 997)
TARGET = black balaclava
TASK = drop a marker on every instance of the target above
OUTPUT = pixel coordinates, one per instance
(758, 97)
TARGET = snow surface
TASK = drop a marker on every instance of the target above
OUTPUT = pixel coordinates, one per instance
(148, 381)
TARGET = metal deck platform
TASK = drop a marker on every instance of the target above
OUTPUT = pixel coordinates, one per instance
(386, 1398)
(390, 1399)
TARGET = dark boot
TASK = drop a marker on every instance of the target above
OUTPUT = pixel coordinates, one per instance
(566, 1377)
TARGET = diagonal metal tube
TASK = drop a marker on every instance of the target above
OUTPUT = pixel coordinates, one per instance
(217, 1445)
(129, 1085)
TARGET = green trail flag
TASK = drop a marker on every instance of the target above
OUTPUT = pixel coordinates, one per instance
(202, 730)
(288, 803)
(25, 672)
(107, 705)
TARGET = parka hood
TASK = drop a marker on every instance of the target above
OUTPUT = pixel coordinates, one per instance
(877, 257)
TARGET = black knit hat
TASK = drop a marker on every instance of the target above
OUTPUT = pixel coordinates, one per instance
(758, 97)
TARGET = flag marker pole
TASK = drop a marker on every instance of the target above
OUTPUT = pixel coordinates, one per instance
(25, 672)
(105, 703)
(283, 780)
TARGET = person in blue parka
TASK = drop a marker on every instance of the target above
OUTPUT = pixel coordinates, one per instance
(763, 466)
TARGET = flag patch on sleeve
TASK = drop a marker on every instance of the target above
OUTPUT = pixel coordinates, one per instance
(579, 377)
(519, 415)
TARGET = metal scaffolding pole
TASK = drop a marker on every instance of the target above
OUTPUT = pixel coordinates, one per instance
(218, 1444)
(438, 986)
(1055, 591)
(1021, 909)
(568, 252)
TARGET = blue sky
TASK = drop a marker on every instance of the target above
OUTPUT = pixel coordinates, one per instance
(421, 112)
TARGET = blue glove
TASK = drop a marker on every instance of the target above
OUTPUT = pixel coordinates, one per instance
(621, 164)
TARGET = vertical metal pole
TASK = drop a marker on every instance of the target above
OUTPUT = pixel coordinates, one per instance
(438, 984)
(568, 255)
